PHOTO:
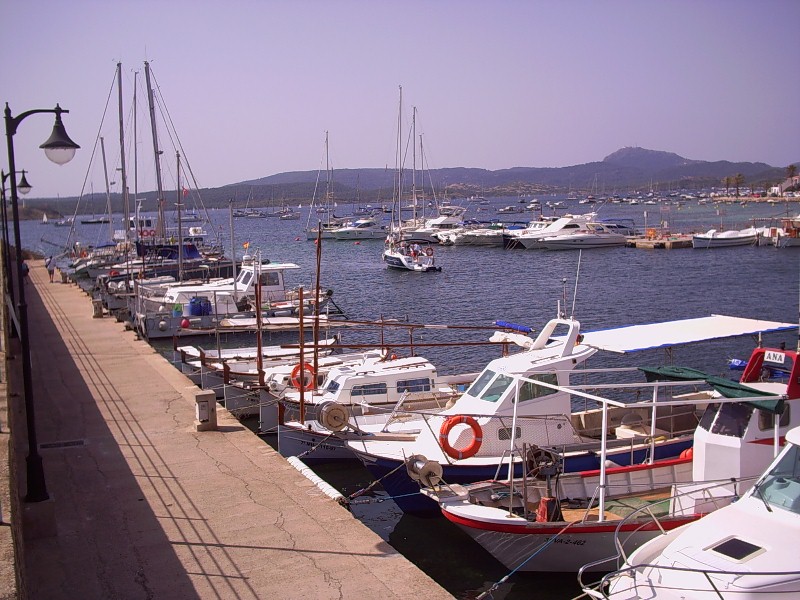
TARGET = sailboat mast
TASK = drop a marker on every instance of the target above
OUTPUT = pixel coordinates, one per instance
(328, 193)
(123, 171)
(108, 187)
(178, 206)
(135, 162)
(156, 152)
(399, 157)
(414, 163)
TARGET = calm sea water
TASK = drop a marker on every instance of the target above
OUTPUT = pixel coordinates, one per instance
(604, 288)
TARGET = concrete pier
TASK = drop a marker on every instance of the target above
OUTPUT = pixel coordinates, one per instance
(142, 505)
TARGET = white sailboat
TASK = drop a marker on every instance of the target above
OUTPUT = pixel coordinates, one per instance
(401, 252)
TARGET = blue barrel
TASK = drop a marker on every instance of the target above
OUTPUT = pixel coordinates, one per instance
(195, 307)
(205, 305)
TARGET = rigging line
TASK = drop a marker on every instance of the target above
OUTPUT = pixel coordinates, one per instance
(577, 276)
(172, 132)
(91, 161)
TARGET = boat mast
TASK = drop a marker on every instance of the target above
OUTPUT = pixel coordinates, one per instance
(178, 206)
(233, 250)
(161, 225)
(414, 163)
(399, 159)
(108, 188)
(125, 209)
(135, 165)
(328, 192)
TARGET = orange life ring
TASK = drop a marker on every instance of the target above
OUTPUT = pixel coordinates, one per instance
(474, 446)
(428, 251)
(306, 383)
(148, 233)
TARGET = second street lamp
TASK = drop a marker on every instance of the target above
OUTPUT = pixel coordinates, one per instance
(60, 149)
(23, 187)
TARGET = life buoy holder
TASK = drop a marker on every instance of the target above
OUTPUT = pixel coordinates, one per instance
(428, 251)
(472, 448)
(306, 382)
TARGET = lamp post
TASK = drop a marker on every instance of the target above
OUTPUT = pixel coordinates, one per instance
(59, 149)
(23, 187)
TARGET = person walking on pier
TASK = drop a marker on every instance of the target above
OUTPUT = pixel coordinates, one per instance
(50, 264)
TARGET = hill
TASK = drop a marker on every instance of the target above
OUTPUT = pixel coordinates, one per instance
(626, 170)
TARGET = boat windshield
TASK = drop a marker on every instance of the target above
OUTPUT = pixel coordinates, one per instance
(490, 386)
(331, 386)
(780, 487)
(244, 278)
(727, 419)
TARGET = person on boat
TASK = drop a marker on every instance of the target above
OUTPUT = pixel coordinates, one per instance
(50, 264)
(25, 270)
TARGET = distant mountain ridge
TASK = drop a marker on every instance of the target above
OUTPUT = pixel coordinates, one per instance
(624, 169)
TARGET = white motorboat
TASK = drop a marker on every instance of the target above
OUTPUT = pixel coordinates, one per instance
(544, 416)
(161, 309)
(546, 521)
(213, 369)
(473, 236)
(367, 228)
(724, 239)
(377, 387)
(530, 237)
(746, 550)
(788, 235)
(592, 235)
(449, 219)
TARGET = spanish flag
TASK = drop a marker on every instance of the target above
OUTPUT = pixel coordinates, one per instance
(246, 245)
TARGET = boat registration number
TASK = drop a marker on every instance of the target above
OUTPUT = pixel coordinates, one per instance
(774, 357)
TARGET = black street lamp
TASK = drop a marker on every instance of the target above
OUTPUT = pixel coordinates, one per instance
(59, 149)
(23, 187)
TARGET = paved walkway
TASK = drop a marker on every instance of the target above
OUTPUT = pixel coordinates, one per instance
(144, 506)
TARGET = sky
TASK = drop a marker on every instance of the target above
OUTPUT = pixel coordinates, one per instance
(252, 86)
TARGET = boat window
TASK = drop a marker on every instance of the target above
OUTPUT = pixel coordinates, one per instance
(531, 391)
(732, 419)
(766, 419)
(708, 416)
(369, 389)
(245, 277)
(332, 386)
(496, 388)
(781, 486)
(480, 383)
(504, 433)
(270, 278)
(414, 385)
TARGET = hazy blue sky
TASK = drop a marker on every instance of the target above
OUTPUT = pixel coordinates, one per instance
(252, 86)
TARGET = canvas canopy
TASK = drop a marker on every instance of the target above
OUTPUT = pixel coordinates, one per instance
(727, 387)
(636, 338)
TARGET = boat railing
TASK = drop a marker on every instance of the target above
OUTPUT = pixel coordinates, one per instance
(731, 489)
(601, 590)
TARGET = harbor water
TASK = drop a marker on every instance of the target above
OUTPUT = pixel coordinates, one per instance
(602, 288)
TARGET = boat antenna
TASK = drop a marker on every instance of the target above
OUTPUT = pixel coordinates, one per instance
(577, 276)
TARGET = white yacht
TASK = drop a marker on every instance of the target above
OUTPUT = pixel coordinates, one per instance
(367, 228)
(746, 550)
(531, 236)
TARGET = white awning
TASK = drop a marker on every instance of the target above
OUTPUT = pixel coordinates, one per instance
(635, 338)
